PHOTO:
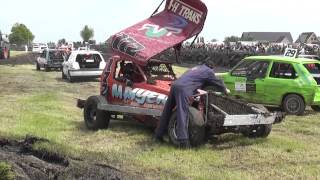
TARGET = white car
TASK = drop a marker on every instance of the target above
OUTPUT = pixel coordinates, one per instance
(39, 47)
(83, 64)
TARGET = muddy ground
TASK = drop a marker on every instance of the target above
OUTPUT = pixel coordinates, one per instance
(29, 58)
(28, 163)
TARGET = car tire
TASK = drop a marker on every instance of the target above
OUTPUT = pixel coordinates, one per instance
(46, 68)
(93, 117)
(316, 108)
(38, 66)
(196, 127)
(63, 76)
(69, 77)
(258, 131)
(293, 104)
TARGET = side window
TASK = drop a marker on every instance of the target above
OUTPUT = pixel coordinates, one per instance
(283, 71)
(127, 71)
(251, 69)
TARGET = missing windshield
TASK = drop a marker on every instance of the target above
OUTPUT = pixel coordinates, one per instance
(314, 70)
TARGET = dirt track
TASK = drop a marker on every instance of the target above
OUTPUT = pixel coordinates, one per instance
(28, 163)
(29, 58)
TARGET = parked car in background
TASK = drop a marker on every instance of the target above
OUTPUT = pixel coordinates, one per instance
(39, 47)
(291, 83)
(83, 64)
(50, 59)
(4, 47)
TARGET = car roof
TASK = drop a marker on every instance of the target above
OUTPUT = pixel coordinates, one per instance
(282, 59)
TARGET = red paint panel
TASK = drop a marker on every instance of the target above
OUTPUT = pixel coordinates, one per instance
(179, 21)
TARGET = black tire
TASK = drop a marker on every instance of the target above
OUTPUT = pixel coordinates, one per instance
(293, 104)
(196, 128)
(69, 77)
(316, 108)
(37, 67)
(63, 76)
(1, 54)
(46, 68)
(93, 117)
(258, 131)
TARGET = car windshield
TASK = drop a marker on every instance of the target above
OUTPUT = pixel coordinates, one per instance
(159, 71)
(56, 55)
(314, 69)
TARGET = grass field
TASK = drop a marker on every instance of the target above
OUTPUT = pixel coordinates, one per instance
(17, 53)
(41, 104)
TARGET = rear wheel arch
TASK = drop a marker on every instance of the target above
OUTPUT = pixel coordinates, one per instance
(287, 94)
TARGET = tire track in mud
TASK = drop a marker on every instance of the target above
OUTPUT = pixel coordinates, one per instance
(29, 163)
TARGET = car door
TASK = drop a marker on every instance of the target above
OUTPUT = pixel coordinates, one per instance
(283, 78)
(247, 80)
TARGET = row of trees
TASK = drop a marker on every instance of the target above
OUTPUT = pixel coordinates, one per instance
(21, 34)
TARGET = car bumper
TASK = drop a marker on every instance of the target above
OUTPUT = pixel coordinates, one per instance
(54, 65)
(86, 73)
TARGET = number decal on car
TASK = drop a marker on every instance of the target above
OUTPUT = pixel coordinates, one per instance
(291, 52)
(126, 44)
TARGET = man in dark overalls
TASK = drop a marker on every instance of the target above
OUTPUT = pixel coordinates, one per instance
(181, 90)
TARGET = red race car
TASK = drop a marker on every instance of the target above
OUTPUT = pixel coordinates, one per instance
(134, 84)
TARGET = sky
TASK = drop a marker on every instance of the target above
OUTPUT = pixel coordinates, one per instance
(51, 20)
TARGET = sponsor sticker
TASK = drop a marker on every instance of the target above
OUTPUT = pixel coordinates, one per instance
(240, 87)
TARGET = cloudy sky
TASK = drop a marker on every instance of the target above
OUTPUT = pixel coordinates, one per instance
(50, 20)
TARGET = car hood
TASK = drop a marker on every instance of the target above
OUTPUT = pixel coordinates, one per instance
(179, 21)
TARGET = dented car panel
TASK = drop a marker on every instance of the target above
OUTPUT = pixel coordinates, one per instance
(179, 21)
(274, 85)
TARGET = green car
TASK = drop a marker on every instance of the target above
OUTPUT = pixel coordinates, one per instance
(290, 83)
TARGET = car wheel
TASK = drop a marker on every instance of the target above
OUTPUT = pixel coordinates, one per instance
(38, 66)
(293, 104)
(69, 77)
(316, 108)
(196, 128)
(63, 75)
(258, 131)
(93, 117)
(46, 68)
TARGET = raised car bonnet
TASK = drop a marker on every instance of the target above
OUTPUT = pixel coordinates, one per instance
(179, 21)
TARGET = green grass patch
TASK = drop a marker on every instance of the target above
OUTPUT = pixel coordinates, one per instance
(6, 172)
(41, 104)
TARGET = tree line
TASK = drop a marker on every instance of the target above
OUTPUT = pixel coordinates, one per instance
(21, 35)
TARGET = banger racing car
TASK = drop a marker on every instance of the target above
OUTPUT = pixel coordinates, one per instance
(50, 59)
(135, 84)
(288, 82)
(84, 63)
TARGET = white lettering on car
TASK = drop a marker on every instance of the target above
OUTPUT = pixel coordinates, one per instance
(185, 10)
(141, 96)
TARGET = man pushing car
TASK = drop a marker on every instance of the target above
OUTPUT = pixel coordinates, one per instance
(181, 90)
